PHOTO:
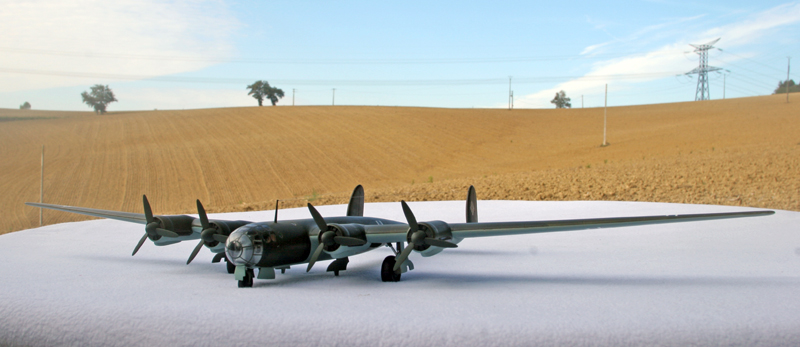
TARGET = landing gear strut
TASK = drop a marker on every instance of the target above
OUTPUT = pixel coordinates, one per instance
(247, 282)
(387, 270)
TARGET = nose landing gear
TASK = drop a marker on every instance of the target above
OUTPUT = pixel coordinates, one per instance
(247, 281)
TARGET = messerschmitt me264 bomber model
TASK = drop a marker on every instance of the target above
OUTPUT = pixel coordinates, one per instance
(268, 246)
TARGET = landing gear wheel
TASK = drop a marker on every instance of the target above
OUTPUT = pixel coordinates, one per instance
(230, 265)
(247, 282)
(387, 270)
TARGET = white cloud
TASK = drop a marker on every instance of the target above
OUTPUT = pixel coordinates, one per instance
(666, 60)
(755, 27)
(121, 37)
(181, 98)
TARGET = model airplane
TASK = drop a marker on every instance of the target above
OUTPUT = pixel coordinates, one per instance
(268, 246)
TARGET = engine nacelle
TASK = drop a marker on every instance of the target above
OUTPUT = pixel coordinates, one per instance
(182, 225)
(434, 229)
(350, 230)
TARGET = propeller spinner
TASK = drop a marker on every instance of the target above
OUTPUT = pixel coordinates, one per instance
(329, 237)
(418, 237)
(152, 229)
(210, 235)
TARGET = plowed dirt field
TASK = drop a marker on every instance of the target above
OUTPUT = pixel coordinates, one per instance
(731, 152)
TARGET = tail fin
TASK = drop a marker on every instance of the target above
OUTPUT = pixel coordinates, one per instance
(356, 205)
(472, 206)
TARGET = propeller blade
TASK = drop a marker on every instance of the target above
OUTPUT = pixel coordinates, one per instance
(412, 221)
(220, 238)
(148, 212)
(202, 213)
(314, 257)
(317, 218)
(440, 243)
(403, 256)
(139, 245)
(349, 241)
(194, 252)
(166, 233)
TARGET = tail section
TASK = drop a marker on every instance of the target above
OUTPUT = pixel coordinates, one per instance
(356, 205)
(472, 206)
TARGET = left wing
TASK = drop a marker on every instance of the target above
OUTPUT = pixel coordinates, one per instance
(123, 216)
(162, 230)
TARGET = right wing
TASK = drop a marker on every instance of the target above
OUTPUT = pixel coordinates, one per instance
(399, 233)
(464, 230)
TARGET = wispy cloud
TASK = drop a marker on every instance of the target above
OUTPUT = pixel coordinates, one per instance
(141, 37)
(181, 98)
(667, 59)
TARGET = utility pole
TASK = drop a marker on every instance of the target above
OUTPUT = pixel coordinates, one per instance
(510, 95)
(333, 101)
(788, 66)
(292, 96)
(41, 188)
(724, 76)
(605, 117)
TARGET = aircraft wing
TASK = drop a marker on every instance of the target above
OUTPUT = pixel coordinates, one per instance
(123, 216)
(398, 233)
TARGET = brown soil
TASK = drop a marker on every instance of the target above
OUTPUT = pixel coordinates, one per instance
(729, 152)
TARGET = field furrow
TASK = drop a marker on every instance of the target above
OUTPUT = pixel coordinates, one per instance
(733, 152)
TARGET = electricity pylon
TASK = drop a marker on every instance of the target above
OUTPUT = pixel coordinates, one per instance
(702, 71)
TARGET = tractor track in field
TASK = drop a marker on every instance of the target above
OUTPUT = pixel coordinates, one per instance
(741, 152)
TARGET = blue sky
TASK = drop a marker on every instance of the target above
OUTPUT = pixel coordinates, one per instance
(200, 54)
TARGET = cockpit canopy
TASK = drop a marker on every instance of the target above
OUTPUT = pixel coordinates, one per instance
(245, 245)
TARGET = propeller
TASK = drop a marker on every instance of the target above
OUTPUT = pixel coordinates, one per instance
(151, 229)
(328, 237)
(208, 235)
(418, 237)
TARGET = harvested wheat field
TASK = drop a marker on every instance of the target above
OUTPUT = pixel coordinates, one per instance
(731, 152)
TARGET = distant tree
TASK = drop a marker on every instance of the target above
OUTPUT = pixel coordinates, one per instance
(561, 100)
(793, 88)
(261, 89)
(25, 106)
(99, 98)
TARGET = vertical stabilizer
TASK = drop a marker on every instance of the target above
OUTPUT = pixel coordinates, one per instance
(472, 206)
(356, 205)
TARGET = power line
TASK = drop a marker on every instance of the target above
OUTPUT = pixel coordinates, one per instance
(295, 61)
(420, 82)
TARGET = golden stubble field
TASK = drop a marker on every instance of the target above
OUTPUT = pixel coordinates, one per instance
(730, 152)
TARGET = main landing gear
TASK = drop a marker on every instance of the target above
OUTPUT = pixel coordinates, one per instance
(387, 270)
(219, 257)
(231, 267)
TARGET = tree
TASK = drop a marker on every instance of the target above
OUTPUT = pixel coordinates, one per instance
(261, 89)
(793, 88)
(99, 98)
(561, 100)
(25, 106)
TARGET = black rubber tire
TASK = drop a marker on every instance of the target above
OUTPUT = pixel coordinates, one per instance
(230, 265)
(387, 270)
(247, 282)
